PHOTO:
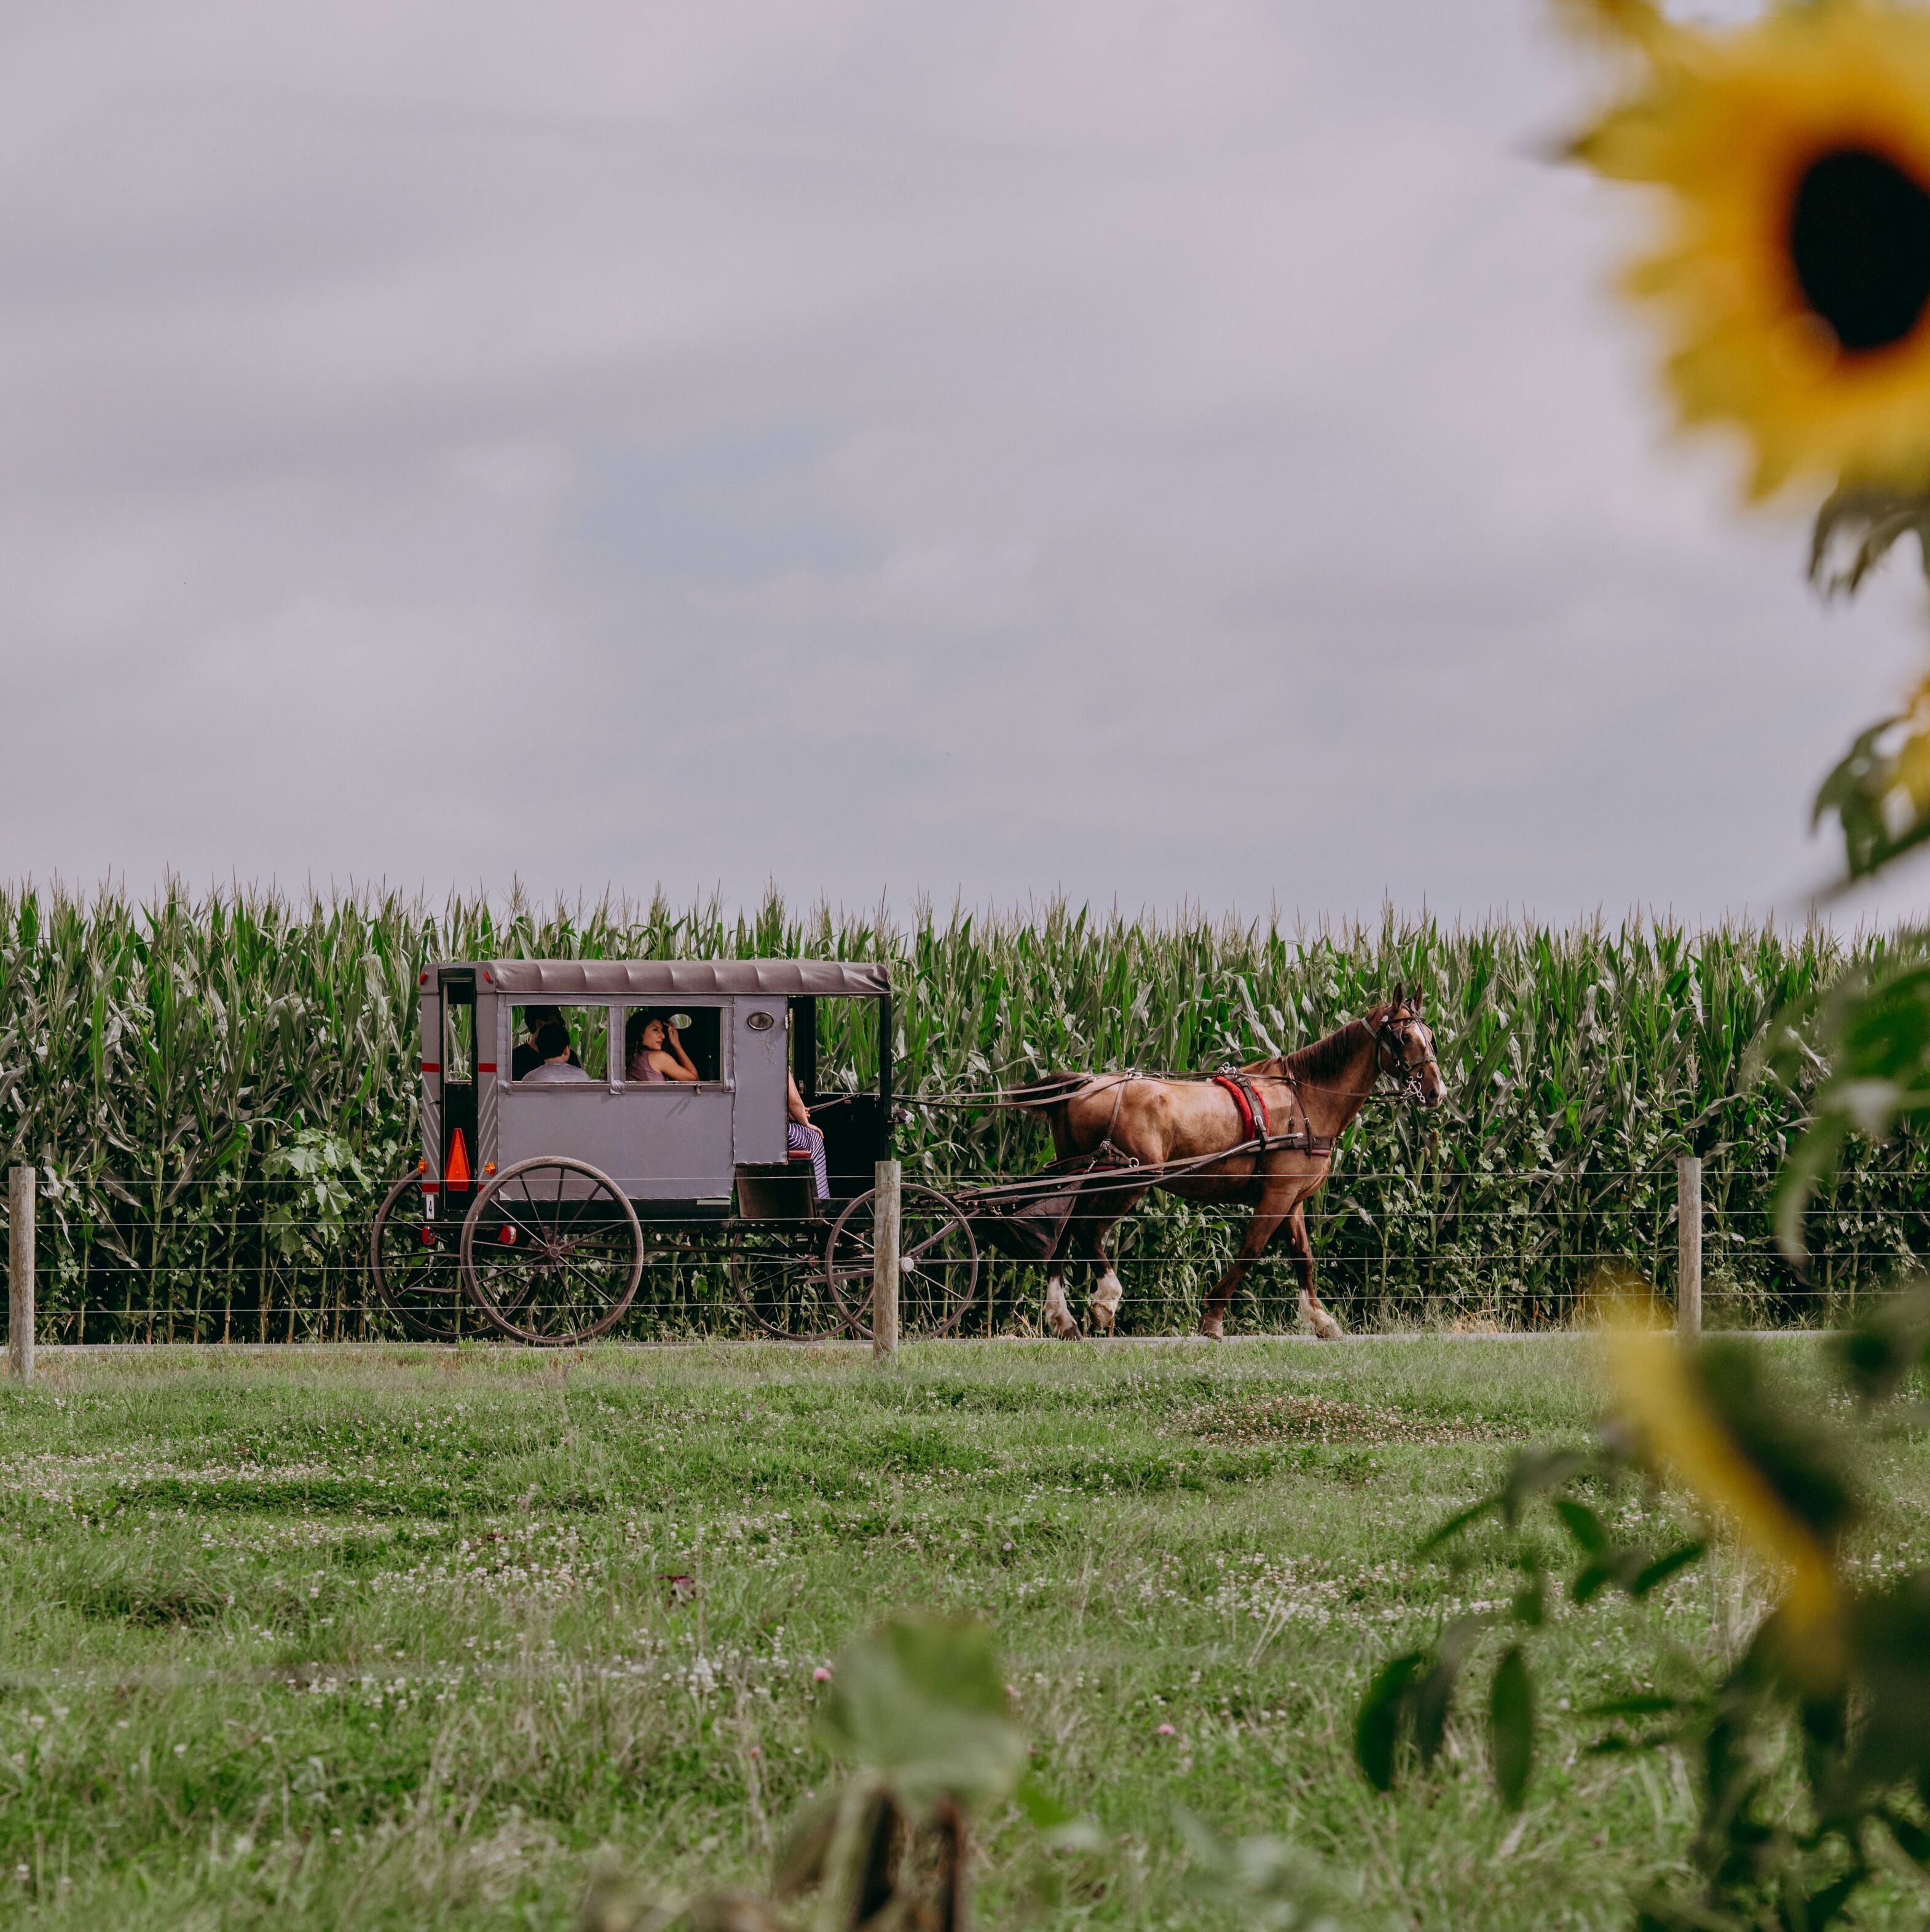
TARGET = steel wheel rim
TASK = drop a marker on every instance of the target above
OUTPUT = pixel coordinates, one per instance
(787, 1254)
(425, 1314)
(560, 1241)
(922, 1204)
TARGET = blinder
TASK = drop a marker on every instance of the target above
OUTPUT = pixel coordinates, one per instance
(1390, 1044)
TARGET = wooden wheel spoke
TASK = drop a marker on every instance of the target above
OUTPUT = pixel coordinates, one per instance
(577, 1269)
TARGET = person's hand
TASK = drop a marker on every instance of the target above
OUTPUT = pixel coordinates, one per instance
(670, 1034)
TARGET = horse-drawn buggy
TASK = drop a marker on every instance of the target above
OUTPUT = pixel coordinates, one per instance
(550, 1186)
(586, 1121)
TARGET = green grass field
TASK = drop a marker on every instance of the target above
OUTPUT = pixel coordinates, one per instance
(363, 1638)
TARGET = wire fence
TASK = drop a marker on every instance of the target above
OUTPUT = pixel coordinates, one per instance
(290, 1261)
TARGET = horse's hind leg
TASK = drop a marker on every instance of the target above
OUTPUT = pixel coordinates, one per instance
(1108, 1293)
(1059, 1317)
(1313, 1311)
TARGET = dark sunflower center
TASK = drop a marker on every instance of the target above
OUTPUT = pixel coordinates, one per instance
(1859, 240)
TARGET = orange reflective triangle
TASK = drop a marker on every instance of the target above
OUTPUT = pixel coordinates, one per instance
(458, 1174)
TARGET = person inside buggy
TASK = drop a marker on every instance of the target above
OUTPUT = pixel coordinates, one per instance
(653, 1050)
(529, 1056)
(557, 1063)
(805, 1140)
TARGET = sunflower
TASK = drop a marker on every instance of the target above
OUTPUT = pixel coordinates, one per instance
(1687, 1433)
(1795, 265)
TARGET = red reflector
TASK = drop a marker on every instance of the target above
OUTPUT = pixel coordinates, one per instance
(485, 1066)
(508, 1237)
(428, 1238)
(456, 1175)
(431, 1067)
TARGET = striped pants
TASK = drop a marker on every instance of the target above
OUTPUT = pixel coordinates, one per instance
(802, 1139)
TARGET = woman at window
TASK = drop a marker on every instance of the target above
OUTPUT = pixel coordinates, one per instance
(653, 1051)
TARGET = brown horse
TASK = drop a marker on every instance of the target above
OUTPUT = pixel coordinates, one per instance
(1303, 1101)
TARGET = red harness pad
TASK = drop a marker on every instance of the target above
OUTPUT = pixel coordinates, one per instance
(1256, 1124)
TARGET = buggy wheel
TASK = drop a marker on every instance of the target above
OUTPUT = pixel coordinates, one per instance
(779, 1278)
(938, 1262)
(552, 1253)
(414, 1264)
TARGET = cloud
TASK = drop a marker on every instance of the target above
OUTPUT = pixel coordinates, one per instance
(1156, 450)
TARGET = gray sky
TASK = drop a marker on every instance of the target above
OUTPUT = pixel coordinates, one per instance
(1157, 451)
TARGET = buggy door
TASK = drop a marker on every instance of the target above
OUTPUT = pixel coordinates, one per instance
(673, 1137)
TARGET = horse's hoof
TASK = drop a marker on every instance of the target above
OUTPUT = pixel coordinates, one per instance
(1068, 1331)
(1213, 1329)
(1326, 1328)
(1102, 1320)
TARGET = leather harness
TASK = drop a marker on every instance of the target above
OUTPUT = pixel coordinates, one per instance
(1256, 1121)
(1256, 1124)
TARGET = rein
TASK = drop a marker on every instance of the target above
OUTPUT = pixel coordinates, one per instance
(1387, 1043)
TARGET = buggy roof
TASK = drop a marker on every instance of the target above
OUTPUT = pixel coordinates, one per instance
(560, 979)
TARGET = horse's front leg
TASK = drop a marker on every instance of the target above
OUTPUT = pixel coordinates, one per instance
(1313, 1311)
(1261, 1230)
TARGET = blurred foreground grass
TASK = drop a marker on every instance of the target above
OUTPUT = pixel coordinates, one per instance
(390, 1637)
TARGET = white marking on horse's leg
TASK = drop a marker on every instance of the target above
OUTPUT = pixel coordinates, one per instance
(1106, 1299)
(1058, 1315)
(1319, 1318)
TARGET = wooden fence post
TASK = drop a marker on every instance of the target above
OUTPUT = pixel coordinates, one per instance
(884, 1266)
(1688, 1246)
(20, 1275)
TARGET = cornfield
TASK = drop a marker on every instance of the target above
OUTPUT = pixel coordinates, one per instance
(216, 1091)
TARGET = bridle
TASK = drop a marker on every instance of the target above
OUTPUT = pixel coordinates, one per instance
(1390, 1042)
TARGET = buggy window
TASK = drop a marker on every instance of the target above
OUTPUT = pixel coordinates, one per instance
(699, 1028)
(588, 1028)
(459, 1037)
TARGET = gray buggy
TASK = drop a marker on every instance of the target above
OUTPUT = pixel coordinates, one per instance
(538, 1207)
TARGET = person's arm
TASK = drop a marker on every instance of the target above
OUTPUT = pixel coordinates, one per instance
(794, 1104)
(673, 1062)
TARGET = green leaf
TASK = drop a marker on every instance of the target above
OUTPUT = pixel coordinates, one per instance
(1530, 1607)
(1652, 1576)
(1583, 1524)
(1511, 1726)
(1266, 1882)
(1534, 1472)
(1377, 1731)
(1826, 1902)
(922, 1702)
(1059, 1824)
(1590, 1579)
(1637, 1704)
(1910, 1837)
(1456, 1523)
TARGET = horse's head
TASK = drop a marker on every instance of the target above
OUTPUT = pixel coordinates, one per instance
(1404, 1047)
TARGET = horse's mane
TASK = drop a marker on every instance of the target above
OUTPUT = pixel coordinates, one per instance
(1325, 1058)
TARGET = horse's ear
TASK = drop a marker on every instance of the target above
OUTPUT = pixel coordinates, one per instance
(1415, 1002)
(1400, 997)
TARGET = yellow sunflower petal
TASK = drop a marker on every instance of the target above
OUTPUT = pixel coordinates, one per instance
(1658, 1392)
(1793, 265)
